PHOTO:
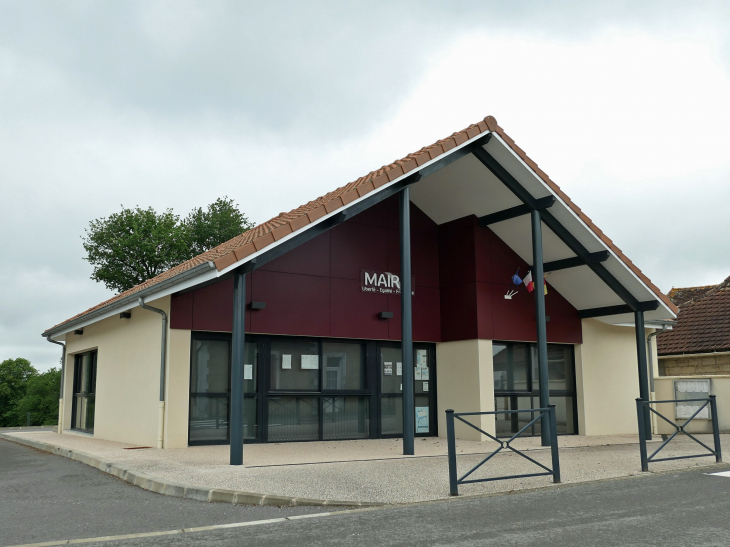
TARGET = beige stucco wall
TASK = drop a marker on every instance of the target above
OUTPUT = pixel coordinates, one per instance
(607, 378)
(128, 375)
(719, 386)
(178, 389)
(465, 383)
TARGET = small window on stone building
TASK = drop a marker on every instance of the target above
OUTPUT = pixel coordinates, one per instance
(692, 389)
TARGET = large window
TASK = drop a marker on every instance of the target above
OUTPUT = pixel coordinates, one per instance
(307, 389)
(84, 389)
(517, 386)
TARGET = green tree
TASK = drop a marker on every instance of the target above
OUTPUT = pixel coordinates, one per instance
(134, 245)
(221, 222)
(40, 399)
(14, 375)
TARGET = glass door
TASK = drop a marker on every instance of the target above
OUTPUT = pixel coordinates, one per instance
(209, 389)
(390, 364)
(84, 388)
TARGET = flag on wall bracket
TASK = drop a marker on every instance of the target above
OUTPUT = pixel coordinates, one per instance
(531, 285)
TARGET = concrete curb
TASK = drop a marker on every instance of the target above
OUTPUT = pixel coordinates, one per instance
(159, 486)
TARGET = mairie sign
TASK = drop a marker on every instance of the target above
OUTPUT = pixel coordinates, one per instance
(382, 282)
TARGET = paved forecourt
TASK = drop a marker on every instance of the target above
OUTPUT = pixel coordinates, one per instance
(372, 471)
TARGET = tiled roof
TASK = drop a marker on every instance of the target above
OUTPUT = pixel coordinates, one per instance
(684, 295)
(703, 324)
(280, 226)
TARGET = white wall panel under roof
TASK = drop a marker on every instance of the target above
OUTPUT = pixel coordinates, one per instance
(517, 233)
(517, 168)
(583, 288)
(463, 188)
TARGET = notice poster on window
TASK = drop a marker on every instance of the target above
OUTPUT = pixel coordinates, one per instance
(422, 425)
(425, 387)
(418, 372)
(399, 369)
(388, 368)
(286, 361)
(422, 365)
(310, 362)
(248, 372)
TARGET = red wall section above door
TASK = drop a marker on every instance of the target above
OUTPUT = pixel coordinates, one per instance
(295, 304)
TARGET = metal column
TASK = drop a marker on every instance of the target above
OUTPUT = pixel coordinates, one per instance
(409, 421)
(643, 373)
(237, 356)
(542, 359)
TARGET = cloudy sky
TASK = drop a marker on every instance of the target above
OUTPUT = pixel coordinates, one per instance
(626, 104)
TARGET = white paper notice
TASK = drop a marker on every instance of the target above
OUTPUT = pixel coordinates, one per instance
(424, 373)
(422, 358)
(401, 387)
(425, 386)
(388, 368)
(286, 361)
(248, 372)
(422, 419)
(418, 373)
(399, 369)
(310, 362)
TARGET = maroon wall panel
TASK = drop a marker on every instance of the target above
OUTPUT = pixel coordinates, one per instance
(503, 261)
(459, 312)
(420, 221)
(213, 307)
(357, 247)
(311, 258)
(295, 304)
(512, 319)
(424, 257)
(456, 257)
(426, 315)
(375, 216)
(354, 314)
(181, 311)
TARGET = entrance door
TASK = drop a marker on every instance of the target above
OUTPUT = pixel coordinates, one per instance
(209, 389)
(390, 363)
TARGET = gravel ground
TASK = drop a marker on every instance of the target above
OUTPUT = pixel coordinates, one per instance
(374, 470)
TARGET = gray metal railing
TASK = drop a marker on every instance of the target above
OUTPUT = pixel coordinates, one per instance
(455, 481)
(643, 406)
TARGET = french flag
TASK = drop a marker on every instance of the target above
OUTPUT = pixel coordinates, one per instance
(530, 285)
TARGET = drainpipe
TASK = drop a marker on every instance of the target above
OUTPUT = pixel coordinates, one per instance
(163, 351)
(60, 395)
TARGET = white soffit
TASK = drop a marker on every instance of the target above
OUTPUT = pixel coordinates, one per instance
(517, 233)
(461, 189)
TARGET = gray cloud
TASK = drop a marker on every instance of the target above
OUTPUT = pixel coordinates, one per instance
(172, 104)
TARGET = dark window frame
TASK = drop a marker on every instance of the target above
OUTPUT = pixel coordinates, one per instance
(533, 392)
(86, 391)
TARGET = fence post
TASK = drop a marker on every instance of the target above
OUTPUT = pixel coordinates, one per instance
(715, 429)
(640, 414)
(554, 443)
(451, 443)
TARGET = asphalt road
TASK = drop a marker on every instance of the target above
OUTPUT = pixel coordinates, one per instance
(44, 497)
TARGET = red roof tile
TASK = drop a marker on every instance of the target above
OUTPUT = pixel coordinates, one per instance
(703, 324)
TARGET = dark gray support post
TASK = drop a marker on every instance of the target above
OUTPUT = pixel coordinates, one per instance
(640, 413)
(643, 373)
(542, 359)
(715, 429)
(237, 353)
(554, 443)
(409, 421)
(451, 445)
